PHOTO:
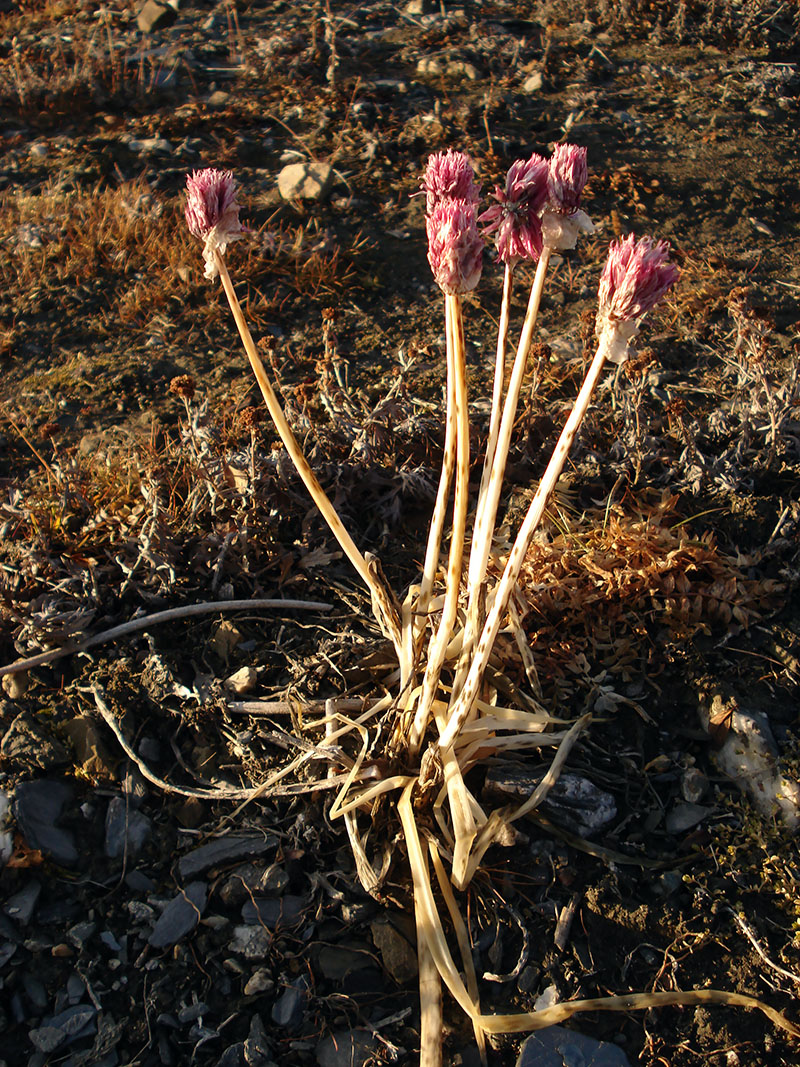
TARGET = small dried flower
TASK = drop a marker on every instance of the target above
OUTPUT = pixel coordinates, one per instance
(563, 220)
(567, 177)
(182, 386)
(250, 418)
(455, 248)
(514, 219)
(212, 213)
(635, 278)
(449, 176)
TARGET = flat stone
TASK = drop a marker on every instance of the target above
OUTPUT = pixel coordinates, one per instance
(30, 742)
(180, 916)
(69, 1025)
(287, 1011)
(574, 802)
(252, 942)
(558, 1047)
(336, 962)
(95, 758)
(533, 83)
(305, 181)
(684, 816)
(37, 808)
(20, 905)
(263, 911)
(225, 639)
(233, 1056)
(242, 681)
(15, 686)
(398, 956)
(156, 15)
(127, 830)
(347, 1048)
(224, 850)
(260, 981)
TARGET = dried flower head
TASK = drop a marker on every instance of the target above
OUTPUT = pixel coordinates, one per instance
(514, 219)
(449, 176)
(182, 386)
(455, 248)
(567, 177)
(250, 418)
(636, 277)
(212, 213)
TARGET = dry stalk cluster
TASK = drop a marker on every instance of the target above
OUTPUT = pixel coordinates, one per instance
(442, 713)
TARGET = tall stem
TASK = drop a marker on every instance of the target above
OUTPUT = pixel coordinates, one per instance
(310, 480)
(497, 386)
(466, 699)
(438, 647)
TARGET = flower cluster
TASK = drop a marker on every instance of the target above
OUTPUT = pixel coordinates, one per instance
(212, 213)
(636, 277)
(455, 248)
(514, 219)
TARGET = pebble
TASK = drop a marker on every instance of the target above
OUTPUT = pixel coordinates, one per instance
(533, 83)
(305, 181)
(95, 758)
(397, 954)
(180, 916)
(260, 981)
(148, 145)
(347, 1048)
(6, 838)
(225, 850)
(127, 830)
(15, 686)
(68, 1026)
(80, 933)
(684, 816)
(20, 905)
(38, 806)
(287, 1011)
(32, 743)
(225, 639)
(557, 1047)
(156, 15)
(252, 942)
(257, 1047)
(264, 911)
(242, 681)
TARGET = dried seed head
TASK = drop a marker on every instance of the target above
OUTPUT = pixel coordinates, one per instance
(514, 219)
(449, 176)
(182, 386)
(455, 248)
(636, 277)
(250, 418)
(567, 177)
(212, 213)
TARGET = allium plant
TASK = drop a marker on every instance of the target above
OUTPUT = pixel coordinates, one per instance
(439, 717)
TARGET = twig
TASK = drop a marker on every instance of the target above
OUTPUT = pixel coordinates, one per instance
(146, 621)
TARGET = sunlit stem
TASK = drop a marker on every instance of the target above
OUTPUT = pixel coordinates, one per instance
(494, 471)
(310, 480)
(497, 386)
(437, 651)
(466, 699)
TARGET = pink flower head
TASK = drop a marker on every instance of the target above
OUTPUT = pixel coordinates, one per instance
(635, 278)
(455, 248)
(514, 219)
(567, 178)
(449, 176)
(212, 213)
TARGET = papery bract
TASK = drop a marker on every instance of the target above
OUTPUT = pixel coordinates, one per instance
(567, 177)
(635, 278)
(212, 213)
(455, 248)
(514, 219)
(449, 176)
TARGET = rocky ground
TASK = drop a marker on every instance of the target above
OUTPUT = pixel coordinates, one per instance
(148, 920)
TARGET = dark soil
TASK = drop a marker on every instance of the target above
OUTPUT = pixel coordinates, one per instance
(663, 590)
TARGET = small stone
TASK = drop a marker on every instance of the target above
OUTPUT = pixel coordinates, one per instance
(15, 686)
(37, 807)
(694, 785)
(429, 65)
(287, 1011)
(148, 145)
(233, 1056)
(191, 812)
(224, 850)
(218, 99)
(533, 83)
(242, 681)
(39, 150)
(257, 1047)
(684, 816)
(305, 181)
(557, 1047)
(260, 981)
(225, 639)
(156, 15)
(180, 916)
(283, 911)
(127, 830)
(80, 933)
(61, 952)
(20, 905)
(347, 1048)
(397, 954)
(252, 942)
(31, 742)
(95, 758)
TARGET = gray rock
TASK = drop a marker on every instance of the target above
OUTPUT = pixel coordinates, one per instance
(252, 942)
(233, 1056)
(20, 905)
(30, 742)
(80, 933)
(574, 802)
(257, 1047)
(156, 15)
(127, 830)
(37, 808)
(62, 1029)
(684, 816)
(224, 850)
(557, 1047)
(260, 981)
(398, 956)
(533, 83)
(347, 1048)
(180, 916)
(287, 1011)
(263, 911)
(694, 785)
(15, 686)
(336, 962)
(305, 181)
